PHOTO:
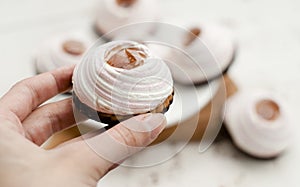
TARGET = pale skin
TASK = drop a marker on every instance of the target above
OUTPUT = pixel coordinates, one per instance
(25, 125)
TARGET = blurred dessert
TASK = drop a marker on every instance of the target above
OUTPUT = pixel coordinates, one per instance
(258, 123)
(206, 52)
(113, 14)
(121, 79)
(61, 50)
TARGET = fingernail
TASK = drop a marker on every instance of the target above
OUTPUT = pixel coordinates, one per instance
(157, 122)
(144, 117)
(152, 123)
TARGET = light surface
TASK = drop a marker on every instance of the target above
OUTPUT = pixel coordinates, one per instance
(268, 38)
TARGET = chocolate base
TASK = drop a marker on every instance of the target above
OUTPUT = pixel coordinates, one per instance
(113, 119)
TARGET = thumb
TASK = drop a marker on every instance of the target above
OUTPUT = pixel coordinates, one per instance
(102, 152)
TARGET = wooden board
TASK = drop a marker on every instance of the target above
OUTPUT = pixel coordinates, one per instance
(202, 121)
(202, 118)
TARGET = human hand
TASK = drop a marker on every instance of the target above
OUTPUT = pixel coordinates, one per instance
(25, 125)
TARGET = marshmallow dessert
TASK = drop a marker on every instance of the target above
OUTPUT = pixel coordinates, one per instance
(61, 50)
(121, 79)
(113, 14)
(208, 51)
(258, 123)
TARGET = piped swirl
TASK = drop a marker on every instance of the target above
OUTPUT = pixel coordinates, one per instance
(123, 78)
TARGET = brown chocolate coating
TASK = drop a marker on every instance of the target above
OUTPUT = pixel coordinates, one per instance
(73, 47)
(113, 119)
(268, 110)
(192, 35)
(126, 58)
(126, 3)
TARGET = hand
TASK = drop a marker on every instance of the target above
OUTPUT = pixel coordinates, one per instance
(25, 125)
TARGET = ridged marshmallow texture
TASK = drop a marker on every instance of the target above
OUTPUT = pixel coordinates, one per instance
(122, 78)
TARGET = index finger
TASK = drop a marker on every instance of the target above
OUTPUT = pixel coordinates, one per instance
(29, 93)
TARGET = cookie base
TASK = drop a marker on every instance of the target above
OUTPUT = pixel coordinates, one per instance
(113, 119)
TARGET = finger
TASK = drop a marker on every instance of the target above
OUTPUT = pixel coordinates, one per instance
(27, 94)
(48, 119)
(97, 155)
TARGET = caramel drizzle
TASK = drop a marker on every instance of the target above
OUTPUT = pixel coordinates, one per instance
(127, 58)
(73, 47)
(130, 56)
(268, 110)
(125, 3)
(192, 35)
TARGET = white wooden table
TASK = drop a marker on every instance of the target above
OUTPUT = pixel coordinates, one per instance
(268, 34)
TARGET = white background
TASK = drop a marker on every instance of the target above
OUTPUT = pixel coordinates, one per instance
(268, 36)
